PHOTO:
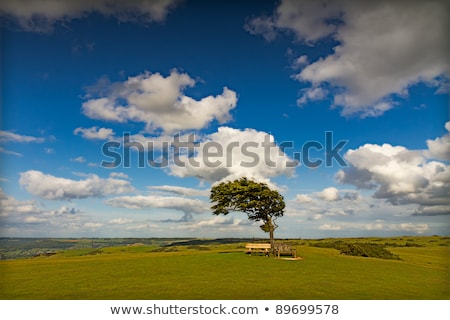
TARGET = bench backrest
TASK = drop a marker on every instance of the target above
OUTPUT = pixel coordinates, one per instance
(283, 247)
(257, 246)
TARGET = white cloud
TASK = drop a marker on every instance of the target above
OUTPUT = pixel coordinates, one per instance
(216, 221)
(311, 94)
(307, 19)
(62, 211)
(42, 15)
(55, 188)
(383, 48)
(352, 211)
(410, 228)
(33, 219)
(231, 154)
(182, 204)
(329, 227)
(220, 224)
(300, 62)
(5, 151)
(418, 228)
(95, 133)
(28, 215)
(142, 226)
(303, 198)
(119, 175)
(79, 159)
(183, 191)
(120, 221)
(439, 148)
(329, 194)
(159, 102)
(9, 205)
(92, 225)
(7, 136)
(400, 176)
(264, 26)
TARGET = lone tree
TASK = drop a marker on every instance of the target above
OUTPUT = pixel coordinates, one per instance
(256, 199)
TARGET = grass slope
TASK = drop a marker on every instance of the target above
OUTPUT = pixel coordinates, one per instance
(223, 271)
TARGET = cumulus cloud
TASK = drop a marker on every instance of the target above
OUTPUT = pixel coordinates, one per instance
(308, 20)
(182, 204)
(303, 198)
(231, 154)
(10, 205)
(329, 194)
(439, 148)
(27, 215)
(43, 15)
(400, 176)
(49, 187)
(8, 136)
(264, 26)
(95, 133)
(159, 102)
(383, 48)
(311, 94)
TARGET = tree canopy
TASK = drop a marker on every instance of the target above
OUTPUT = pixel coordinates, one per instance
(256, 199)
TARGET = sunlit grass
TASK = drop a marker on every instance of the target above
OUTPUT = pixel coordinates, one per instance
(225, 272)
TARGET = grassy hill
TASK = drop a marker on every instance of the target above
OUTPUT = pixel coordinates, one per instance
(206, 269)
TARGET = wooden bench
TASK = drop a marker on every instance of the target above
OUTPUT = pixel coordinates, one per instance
(258, 248)
(285, 249)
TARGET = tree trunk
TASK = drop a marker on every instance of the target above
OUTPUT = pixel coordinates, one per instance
(271, 231)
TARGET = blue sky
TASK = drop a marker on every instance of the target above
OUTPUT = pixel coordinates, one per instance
(77, 76)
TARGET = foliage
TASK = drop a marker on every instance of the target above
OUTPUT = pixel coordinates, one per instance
(359, 249)
(256, 199)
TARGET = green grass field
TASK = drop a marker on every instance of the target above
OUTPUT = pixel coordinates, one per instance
(223, 271)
